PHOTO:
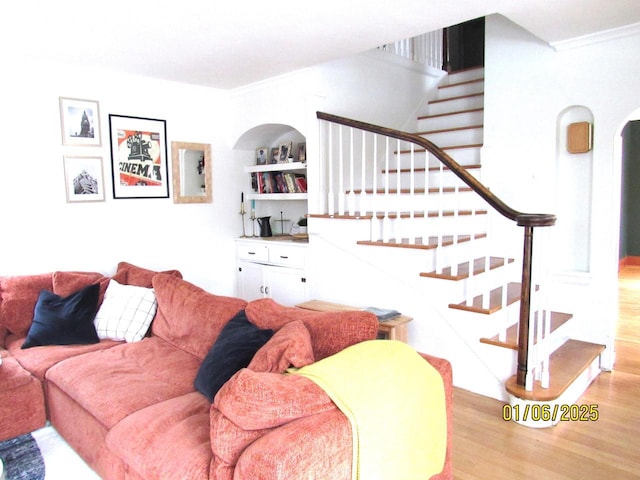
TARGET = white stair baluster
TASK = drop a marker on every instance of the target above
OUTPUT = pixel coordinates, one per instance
(385, 220)
(351, 201)
(341, 172)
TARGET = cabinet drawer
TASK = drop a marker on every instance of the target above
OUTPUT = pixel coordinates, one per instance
(257, 253)
(286, 255)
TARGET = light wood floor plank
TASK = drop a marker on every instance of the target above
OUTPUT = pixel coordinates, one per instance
(486, 447)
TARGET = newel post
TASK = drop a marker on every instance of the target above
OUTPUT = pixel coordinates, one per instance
(525, 307)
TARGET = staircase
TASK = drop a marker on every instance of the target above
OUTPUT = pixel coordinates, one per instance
(423, 193)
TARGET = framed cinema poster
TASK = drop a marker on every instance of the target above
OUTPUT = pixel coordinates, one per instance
(139, 157)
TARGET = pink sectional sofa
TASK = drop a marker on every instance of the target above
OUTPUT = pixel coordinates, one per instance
(145, 409)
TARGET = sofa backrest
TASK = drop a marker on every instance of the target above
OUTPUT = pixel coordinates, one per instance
(189, 317)
(330, 332)
(18, 297)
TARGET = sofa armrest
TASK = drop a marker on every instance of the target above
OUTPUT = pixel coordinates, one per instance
(318, 446)
(444, 368)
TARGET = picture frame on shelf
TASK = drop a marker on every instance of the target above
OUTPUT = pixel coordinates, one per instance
(302, 153)
(275, 155)
(80, 122)
(262, 154)
(83, 179)
(285, 152)
(139, 163)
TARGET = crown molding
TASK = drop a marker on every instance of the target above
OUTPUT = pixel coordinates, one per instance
(603, 36)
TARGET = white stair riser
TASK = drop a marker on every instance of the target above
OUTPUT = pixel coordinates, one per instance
(437, 179)
(457, 77)
(464, 119)
(456, 105)
(469, 136)
(460, 89)
(463, 156)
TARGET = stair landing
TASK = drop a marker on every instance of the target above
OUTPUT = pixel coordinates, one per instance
(566, 364)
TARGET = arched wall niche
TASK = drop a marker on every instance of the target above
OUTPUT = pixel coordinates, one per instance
(574, 195)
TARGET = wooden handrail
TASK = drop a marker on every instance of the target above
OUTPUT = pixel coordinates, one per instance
(527, 220)
(522, 219)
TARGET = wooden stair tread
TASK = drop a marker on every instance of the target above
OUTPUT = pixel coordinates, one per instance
(479, 265)
(452, 147)
(415, 190)
(419, 243)
(454, 129)
(495, 300)
(460, 97)
(511, 340)
(459, 112)
(394, 215)
(431, 169)
(565, 365)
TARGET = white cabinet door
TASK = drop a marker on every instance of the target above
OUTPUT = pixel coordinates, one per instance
(251, 281)
(286, 286)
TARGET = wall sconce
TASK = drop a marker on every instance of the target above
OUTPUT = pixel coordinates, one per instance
(579, 137)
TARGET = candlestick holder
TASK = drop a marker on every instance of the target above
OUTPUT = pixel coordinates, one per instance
(253, 223)
(242, 214)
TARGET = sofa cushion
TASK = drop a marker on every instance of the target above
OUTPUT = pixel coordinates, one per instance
(289, 346)
(330, 332)
(129, 274)
(126, 312)
(125, 378)
(64, 320)
(37, 360)
(167, 440)
(64, 283)
(18, 296)
(234, 348)
(189, 317)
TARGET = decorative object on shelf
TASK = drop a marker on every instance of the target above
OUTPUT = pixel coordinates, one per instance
(275, 155)
(83, 179)
(285, 151)
(191, 168)
(242, 213)
(261, 155)
(265, 226)
(253, 218)
(282, 221)
(80, 122)
(139, 157)
(302, 153)
(299, 228)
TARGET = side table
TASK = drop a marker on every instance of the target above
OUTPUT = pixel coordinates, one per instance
(393, 329)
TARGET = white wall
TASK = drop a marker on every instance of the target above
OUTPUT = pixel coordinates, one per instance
(41, 232)
(528, 86)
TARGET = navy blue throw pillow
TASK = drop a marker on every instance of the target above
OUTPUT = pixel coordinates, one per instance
(64, 321)
(238, 342)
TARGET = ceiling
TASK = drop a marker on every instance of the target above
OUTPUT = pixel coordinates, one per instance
(234, 43)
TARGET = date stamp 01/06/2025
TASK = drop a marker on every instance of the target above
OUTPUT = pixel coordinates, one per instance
(545, 413)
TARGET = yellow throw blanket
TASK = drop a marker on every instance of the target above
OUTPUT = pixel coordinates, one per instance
(395, 402)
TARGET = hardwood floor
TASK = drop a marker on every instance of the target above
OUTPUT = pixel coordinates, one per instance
(486, 447)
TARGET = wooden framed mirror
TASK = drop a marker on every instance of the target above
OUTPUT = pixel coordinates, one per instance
(191, 168)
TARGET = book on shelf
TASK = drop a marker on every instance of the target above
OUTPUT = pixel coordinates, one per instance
(278, 182)
(383, 313)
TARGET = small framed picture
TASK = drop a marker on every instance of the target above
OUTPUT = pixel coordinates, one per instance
(285, 152)
(139, 157)
(83, 179)
(80, 122)
(261, 155)
(302, 153)
(275, 155)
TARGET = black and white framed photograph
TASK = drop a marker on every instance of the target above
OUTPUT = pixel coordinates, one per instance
(285, 152)
(80, 122)
(275, 155)
(139, 157)
(302, 153)
(84, 180)
(262, 154)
